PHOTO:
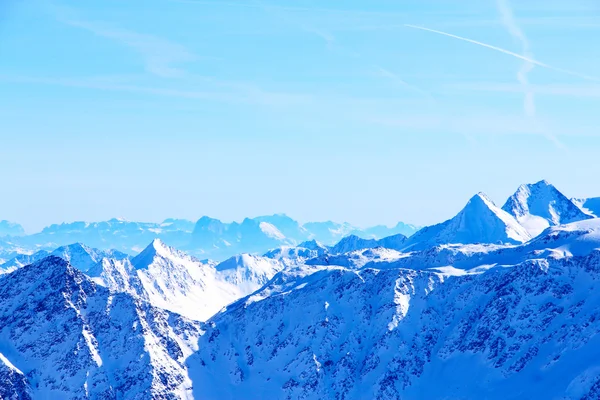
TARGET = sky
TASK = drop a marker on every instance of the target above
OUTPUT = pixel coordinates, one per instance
(370, 112)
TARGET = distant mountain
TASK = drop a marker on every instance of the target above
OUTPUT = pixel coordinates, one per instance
(351, 243)
(540, 205)
(381, 231)
(208, 238)
(481, 221)
(8, 228)
(247, 272)
(589, 206)
(78, 255)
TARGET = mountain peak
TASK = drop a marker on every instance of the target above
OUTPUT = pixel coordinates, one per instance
(156, 249)
(480, 221)
(539, 205)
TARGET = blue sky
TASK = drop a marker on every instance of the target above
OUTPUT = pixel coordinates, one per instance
(341, 110)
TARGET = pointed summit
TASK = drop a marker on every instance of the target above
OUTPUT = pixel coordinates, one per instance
(480, 221)
(156, 251)
(540, 205)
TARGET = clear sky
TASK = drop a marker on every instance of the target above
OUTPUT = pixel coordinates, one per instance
(342, 110)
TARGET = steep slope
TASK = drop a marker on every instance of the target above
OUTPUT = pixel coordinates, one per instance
(13, 383)
(589, 206)
(73, 339)
(540, 205)
(481, 221)
(528, 331)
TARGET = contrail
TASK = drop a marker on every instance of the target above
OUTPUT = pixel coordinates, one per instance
(510, 53)
(510, 23)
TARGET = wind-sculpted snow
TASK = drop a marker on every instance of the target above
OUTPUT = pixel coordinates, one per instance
(68, 338)
(525, 331)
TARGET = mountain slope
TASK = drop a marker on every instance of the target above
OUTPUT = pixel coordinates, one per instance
(526, 331)
(480, 221)
(540, 205)
(71, 338)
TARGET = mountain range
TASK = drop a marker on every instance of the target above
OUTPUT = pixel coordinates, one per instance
(479, 306)
(208, 238)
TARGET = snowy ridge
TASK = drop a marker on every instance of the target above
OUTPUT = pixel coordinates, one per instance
(520, 332)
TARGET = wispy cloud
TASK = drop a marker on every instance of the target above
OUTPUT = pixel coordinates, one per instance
(508, 52)
(481, 123)
(228, 92)
(384, 72)
(160, 56)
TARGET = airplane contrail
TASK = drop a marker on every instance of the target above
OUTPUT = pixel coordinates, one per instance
(510, 53)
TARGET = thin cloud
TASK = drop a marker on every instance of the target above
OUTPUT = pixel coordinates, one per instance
(508, 52)
(237, 93)
(161, 57)
(396, 79)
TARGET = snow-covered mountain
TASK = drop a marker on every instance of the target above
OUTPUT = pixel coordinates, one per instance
(540, 205)
(248, 273)
(64, 337)
(480, 221)
(589, 206)
(170, 279)
(469, 308)
(528, 330)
